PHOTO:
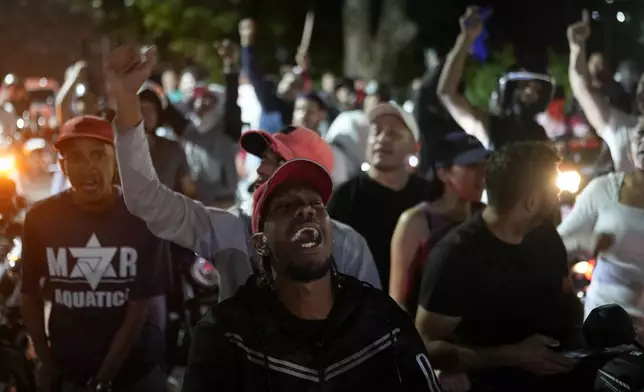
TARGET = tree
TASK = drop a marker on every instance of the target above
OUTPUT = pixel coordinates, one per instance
(481, 79)
(375, 56)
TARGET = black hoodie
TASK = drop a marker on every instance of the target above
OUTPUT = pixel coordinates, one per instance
(251, 343)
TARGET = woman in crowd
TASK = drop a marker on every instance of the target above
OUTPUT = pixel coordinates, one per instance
(608, 222)
(460, 165)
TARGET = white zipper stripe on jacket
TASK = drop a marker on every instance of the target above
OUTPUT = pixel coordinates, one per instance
(370, 351)
(430, 376)
(281, 369)
(363, 351)
(239, 342)
(299, 371)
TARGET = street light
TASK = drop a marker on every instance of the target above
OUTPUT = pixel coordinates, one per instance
(621, 17)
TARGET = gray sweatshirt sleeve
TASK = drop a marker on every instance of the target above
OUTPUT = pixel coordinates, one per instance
(170, 215)
(353, 256)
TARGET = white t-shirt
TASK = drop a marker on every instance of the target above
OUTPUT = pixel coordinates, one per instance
(617, 136)
(619, 275)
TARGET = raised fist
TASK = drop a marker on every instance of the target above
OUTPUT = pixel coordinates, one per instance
(471, 23)
(127, 68)
(228, 51)
(247, 31)
(579, 32)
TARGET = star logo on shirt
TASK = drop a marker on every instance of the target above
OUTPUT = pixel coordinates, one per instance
(93, 262)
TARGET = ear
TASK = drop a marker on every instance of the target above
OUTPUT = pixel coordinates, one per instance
(443, 174)
(260, 243)
(531, 202)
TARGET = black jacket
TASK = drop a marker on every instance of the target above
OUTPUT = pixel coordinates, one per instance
(251, 343)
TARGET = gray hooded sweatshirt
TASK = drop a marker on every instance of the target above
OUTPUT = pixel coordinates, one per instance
(215, 234)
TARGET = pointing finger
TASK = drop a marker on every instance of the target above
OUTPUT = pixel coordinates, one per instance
(585, 16)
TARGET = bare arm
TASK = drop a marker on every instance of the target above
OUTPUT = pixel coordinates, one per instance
(126, 336)
(64, 96)
(33, 314)
(595, 108)
(473, 121)
(409, 232)
(436, 330)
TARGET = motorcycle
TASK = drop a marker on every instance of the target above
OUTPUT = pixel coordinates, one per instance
(610, 342)
(17, 355)
(196, 290)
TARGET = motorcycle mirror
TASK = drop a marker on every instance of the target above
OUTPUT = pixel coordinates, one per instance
(608, 326)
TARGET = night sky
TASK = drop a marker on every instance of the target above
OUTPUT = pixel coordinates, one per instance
(531, 26)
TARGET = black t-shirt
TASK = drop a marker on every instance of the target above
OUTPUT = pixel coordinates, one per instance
(92, 264)
(503, 292)
(508, 129)
(373, 211)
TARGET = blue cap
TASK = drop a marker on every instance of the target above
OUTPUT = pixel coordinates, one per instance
(459, 148)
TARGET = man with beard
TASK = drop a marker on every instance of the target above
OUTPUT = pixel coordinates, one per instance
(493, 300)
(372, 202)
(300, 325)
(215, 234)
(523, 95)
(610, 123)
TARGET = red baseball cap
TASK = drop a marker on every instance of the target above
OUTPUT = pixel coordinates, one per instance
(290, 143)
(92, 127)
(304, 171)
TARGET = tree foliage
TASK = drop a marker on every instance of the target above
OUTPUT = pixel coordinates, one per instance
(481, 78)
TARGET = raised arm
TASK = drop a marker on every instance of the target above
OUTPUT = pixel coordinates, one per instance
(266, 97)
(473, 121)
(595, 108)
(168, 214)
(65, 94)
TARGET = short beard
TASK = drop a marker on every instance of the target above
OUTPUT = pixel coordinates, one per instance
(305, 273)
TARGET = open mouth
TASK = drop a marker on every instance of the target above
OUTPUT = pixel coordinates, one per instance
(307, 238)
(90, 185)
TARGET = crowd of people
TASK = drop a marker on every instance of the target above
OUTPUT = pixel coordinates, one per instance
(342, 263)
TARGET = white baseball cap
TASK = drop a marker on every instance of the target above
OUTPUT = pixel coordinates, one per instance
(393, 109)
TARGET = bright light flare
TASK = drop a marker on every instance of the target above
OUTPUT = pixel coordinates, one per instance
(7, 164)
(568, 181)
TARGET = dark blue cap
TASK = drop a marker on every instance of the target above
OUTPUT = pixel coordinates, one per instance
(459, 148)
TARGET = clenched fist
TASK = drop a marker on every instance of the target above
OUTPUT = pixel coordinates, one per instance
(127, 68)
(471, 23)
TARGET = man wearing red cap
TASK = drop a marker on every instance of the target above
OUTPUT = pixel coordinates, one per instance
(104, 272)
(212, 233)
(300, 325)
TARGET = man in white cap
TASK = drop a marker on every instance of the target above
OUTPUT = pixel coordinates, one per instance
(372, 201)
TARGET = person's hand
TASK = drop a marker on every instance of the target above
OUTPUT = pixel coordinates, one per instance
(228, 51)
(471, 23)
(602, 242)
(302, 60)
(578, 33)
(247, 32)
(535, 355)
(126, 69)
(454, 382)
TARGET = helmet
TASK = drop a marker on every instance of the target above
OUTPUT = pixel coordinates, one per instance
(505, 101)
